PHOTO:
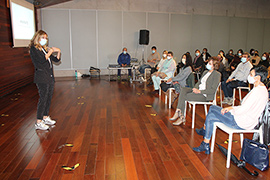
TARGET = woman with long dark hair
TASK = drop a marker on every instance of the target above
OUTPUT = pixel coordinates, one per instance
(180, 80)
(42, 58)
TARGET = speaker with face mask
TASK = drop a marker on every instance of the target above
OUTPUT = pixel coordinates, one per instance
(144, 37)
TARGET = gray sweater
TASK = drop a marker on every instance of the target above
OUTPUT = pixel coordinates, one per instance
(182, 76)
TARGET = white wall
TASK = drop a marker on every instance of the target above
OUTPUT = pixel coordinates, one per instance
(96, 37)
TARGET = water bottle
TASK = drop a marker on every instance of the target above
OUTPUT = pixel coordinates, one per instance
(76, 74)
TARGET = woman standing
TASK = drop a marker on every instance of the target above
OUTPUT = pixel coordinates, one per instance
(42, 58)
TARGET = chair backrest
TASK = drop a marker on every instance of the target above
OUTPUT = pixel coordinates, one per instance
(190, 80)
(215, 96)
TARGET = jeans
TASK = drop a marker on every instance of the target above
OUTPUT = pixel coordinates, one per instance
(45, 96)
(228, 87)
(143, 67)
(214, 115)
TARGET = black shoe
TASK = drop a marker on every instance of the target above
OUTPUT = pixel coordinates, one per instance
(203, 147)
(201, 131)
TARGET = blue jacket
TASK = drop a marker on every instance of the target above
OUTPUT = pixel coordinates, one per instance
(123, 59)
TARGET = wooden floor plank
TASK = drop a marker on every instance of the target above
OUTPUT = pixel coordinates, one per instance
(113, 133)
(129, 160)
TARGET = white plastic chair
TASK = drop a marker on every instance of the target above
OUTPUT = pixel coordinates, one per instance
(146, 71)
(194, 103)
(170, 97)
(232, 131)
(240, 95)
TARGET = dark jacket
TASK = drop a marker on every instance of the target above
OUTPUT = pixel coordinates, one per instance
(211, 84)
(264, 121)
(199, 63)
(123, 59)
(43, 69)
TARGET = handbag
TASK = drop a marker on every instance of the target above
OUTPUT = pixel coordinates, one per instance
(256, 154)
(164, 86)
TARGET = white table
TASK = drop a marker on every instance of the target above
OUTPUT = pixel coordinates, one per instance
(116, 68)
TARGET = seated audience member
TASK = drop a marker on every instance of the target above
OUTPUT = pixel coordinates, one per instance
(265, 60)
(164, 57)
(205, 55)
(204, 90)
(255, 59)
(124, 61)
(151, 61)
(230, 56)
(224, 59)
(236, 60)
(166, 71)
(244, 116)
(180, 80)
(198, 63)
(222, 68)
(236, 79)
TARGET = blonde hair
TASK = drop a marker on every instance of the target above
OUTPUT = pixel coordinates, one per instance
(164, 52)
(35, 40)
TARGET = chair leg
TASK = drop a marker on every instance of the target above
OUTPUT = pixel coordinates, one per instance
(229, 151)
(261, 135)
(241, 139)
(170, 98)
(185, 113)
(193, 115)
(205, 109)
(220, 97)
(213, 138)
(233, 96)
(240, 95)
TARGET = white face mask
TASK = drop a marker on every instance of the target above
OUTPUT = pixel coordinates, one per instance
(42, 42)
(169, 57)
(208, 66)
(251, 79)
(164, 55)
(184, 61)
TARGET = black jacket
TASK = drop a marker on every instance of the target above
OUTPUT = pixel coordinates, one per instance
(264, 121)
(43, 69)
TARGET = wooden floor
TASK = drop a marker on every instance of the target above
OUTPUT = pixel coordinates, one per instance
(114, 136)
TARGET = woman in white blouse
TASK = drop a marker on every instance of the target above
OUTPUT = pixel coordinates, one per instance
(244, 116)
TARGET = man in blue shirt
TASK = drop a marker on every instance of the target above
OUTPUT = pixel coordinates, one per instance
(124, 61)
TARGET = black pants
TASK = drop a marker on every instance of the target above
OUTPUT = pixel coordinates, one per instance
(228, 87)
(45, 96)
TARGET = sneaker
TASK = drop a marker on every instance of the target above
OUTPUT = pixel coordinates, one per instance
(225, 101)
(230, 101)
(41, 126)
(49, 121)
(118, 78)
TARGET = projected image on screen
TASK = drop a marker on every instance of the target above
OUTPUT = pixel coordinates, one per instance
(22, 22)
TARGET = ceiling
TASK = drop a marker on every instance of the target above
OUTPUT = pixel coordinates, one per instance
(46, 3)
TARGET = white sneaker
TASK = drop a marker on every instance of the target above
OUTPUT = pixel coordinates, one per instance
(225, 101)
(49, 121)
(230, 101)
(41, 126)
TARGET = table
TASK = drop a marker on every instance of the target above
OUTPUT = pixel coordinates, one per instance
(116, 68)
